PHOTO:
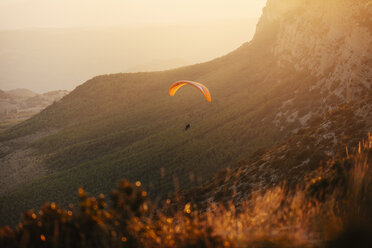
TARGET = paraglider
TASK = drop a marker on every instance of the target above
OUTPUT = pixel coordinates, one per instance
(204, 90)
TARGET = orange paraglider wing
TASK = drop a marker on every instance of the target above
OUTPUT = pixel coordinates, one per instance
(204, 90)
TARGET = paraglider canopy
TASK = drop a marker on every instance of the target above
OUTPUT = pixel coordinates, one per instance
(204, 90)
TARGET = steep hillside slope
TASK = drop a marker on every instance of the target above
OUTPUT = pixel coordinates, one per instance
(125, 125)
(334, 136)
(329, 40)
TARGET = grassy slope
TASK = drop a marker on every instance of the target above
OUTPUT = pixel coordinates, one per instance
(125, 125)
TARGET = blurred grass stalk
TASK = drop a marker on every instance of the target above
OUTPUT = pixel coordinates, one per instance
(331, 209)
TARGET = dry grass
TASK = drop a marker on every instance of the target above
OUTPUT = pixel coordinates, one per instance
(331, 209)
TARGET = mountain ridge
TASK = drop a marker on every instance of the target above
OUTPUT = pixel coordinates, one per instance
(260, 97)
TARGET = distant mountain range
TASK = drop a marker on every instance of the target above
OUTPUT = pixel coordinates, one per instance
(296, 95)
(20, 104)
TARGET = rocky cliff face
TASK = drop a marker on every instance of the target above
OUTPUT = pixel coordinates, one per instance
(329, 41)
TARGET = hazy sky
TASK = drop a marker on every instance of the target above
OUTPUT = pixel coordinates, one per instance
(67, 13)
(80, 39)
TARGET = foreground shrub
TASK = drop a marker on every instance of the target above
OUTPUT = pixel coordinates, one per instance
(332, 208)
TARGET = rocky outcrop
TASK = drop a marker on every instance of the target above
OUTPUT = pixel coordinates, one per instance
(330, 42)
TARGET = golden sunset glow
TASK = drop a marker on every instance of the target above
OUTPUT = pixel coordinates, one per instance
(174, 123)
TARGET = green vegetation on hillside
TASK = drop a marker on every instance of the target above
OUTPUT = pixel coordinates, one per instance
(126, 125)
